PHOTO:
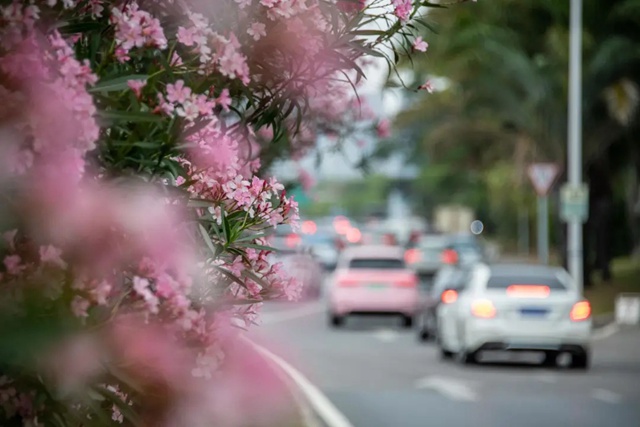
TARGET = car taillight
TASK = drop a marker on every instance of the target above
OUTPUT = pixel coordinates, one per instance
(347, 283)
(449, 296)
(483, 308)
(449, 256)
(580, 311)
(410, 282)
(411, 256)
(293, 240)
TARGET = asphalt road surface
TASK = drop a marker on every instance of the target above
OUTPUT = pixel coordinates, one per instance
(378, 375)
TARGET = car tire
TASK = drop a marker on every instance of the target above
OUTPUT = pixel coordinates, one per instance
(336, 321)
(424, 335)
(407, 322)
(550, 359)
(466, 358)
(580, 361)
(446, 354)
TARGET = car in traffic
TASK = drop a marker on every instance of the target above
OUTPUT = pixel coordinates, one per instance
(373, 280)
(452, 275)
(515, 307)
(425, 256)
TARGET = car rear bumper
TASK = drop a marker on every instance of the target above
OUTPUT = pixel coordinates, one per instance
(523, 336)
(401, 301)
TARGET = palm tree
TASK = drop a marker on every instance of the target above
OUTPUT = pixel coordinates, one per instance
(509, 85)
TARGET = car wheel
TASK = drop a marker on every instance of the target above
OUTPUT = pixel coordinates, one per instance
(336, 321)
(550, 359)
(580, 361)
(446, 354)
(424, 335)
(467, 358)
(407, 321)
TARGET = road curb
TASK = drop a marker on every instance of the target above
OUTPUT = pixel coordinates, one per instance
(315, 408)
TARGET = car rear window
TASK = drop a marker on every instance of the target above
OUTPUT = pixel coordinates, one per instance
(377, 263)
(503, 282)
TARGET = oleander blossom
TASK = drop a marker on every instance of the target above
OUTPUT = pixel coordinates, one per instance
(402, 9)
(135, 28)
(135, 233)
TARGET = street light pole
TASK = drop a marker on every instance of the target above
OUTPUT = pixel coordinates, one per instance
(574, 145)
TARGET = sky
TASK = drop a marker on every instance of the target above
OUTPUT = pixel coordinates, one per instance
(385, 104)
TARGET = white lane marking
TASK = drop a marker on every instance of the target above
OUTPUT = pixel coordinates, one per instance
(291, 314)
(385, 335)
(323, 407)
(449, 387)
(605, 331)
(607, 396)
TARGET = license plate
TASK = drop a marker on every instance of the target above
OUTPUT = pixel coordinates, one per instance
(534, 312)
(377, 286)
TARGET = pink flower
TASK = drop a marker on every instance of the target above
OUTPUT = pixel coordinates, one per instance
(79, 307)
(224, 99)
(141, 287)
(426, 86)
(383, 128)
(136, 28)
(186, 36)
(12, 264)
(257, 30)
(402, 9)
(178, 92)
(52, 255)
(101, 292)
(136, 86)
(420, 45)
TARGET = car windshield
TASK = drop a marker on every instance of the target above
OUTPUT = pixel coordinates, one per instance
(504, 281)
(377, 263)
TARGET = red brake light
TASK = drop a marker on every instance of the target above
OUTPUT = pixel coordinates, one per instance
(449, 256)
(529, 291)
(483, 308)
(409, 282)
(449, 296)
(411, 256)
(580, 311)
(293, 240)
(347, 282)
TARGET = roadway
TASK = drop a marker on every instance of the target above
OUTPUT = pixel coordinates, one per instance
(379, 375)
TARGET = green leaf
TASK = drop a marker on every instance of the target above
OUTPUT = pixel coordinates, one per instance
(368, 33)
(207, 240)
(229, 275)
(259, 247)
(80, 27)
(130, 116)
(117, 83)
(430, 4)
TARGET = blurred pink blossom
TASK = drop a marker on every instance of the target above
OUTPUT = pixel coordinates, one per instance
(420, 45)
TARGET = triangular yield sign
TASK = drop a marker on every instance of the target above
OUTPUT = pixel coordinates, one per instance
(542, 176)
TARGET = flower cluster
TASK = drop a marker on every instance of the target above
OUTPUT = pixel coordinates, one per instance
(138, 215)
(135, 28)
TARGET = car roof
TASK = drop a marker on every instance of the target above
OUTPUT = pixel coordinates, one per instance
(374, 251)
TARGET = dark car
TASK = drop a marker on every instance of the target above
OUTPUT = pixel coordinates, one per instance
(449, 279)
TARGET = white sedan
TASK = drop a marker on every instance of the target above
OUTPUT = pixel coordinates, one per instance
(515, 308)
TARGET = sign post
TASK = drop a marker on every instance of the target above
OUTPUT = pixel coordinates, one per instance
(574, 203)
(542, 176)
